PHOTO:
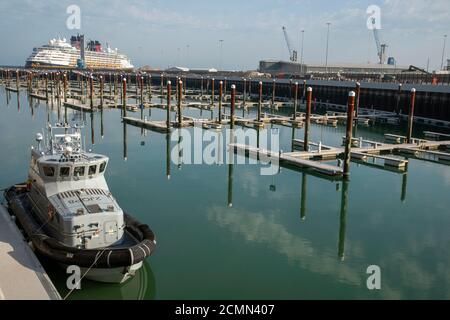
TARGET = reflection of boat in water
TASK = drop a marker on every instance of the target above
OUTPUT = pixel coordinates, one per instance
(141, 287)
(69, 214)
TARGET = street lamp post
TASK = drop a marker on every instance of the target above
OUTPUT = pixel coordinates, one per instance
(328, 39)
(301, 54)
(220, 54)
(443, 52)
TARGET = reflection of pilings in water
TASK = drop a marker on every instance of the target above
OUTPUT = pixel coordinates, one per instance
(292, 139)
(92, 129)
(18, 101)
(125, 148)
(343, 220)
(404, 183)
(102, 132)
(303, 199)
(180, 150)
(230, 184)
(168, 160)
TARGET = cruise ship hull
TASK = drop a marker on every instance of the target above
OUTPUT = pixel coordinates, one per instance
(43, 65)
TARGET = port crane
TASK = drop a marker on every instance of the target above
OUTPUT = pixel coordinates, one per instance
(381, 47)
(292, 53)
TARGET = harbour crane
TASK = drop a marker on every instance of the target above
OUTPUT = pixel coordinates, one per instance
(381, 47)
(292, 53)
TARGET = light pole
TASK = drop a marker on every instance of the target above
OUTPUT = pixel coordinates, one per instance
(187, 55)
(220, 54)
(303, 41)
(301, 54)
(443, 52)
(328, 39)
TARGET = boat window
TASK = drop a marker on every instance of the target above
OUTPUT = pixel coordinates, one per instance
(64, 171)
(78, 171)
(49, 171)
(102, 166)
(92, 170)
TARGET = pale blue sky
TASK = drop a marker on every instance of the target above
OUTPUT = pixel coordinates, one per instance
(157, 32)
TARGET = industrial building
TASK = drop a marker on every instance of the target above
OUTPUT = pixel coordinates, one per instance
(275, 67)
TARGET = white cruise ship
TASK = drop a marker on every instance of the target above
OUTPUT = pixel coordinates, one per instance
(59, 53)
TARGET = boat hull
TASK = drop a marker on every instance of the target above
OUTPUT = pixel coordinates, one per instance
(114, 264)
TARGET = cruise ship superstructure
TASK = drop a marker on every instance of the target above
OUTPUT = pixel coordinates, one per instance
(59, 53)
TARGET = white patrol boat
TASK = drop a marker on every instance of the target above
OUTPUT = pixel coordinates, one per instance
(69, 214)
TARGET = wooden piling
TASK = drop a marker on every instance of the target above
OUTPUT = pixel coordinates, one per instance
(180, 117)
(220, 101)
(295, 100)
(142, 90)
(169, 98)
(233, 98)
(201, 87)
(274, 83)
(149, 87)
(101, 91)
(260, 100)
(399, 96)
(65, 86)
(358, 92)
(225, 86)
(17, 80)
(348, 136)
(46, 86)
(124, 97)
(212, 91)
(91, 91)
(411, 114)
(308, 118)
(245, 92)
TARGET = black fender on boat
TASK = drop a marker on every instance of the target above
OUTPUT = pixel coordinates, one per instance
(96, 258)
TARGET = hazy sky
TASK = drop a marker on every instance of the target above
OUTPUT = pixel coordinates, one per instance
(166, 33)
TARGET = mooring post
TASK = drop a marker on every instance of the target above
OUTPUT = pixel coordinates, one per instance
(308, 118)
(358, 93)
(220, 101)
(149, 88)
(201, 88)
(124, 97)
(274, 84)
(46, 86)
(295, 101)
(411, 114)
(101, 91)
(169, 98)
(233, 97)
(225, 86)
(65, 86)
(348, 135)
(304, 90)
(259, 100)
(180, 117)
(142, 91)
(17, 80)
(399, 96)
(110, 85)
(212, 92)
(250, 88)
(245, 92)
(115, 86)
(162, 85)
(91, 91)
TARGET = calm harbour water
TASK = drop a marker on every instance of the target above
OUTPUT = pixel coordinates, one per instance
(286, 236)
